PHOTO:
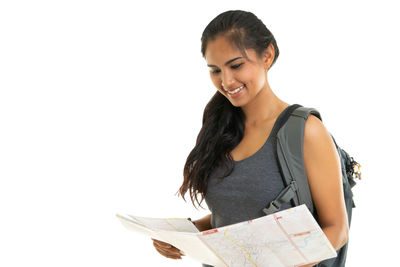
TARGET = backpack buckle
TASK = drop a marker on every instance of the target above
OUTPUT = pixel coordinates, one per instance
(284, 196)
(272, 207)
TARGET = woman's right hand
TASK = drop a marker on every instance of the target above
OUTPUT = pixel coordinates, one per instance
(167, 250)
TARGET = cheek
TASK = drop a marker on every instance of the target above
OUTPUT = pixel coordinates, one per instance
(254, 78)
(246, 75)
(216, 81)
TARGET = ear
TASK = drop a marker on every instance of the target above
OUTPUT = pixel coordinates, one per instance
(268, 56)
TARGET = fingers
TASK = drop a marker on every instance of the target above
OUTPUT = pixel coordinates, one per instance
(167, 250)
(172, 254)
(161, 243)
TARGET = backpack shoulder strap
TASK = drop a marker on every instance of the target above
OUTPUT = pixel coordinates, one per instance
(289, 153)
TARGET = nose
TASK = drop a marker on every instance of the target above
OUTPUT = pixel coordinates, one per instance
(227, 80)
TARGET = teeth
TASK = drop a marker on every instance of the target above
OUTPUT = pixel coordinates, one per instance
(236, 90)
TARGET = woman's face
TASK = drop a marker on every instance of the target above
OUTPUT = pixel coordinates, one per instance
(230, 71)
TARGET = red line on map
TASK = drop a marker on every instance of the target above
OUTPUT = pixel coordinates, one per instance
(290, 239)
(300, 234)
(209, 231)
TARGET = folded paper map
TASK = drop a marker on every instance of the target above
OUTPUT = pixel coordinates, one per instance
(290, 237)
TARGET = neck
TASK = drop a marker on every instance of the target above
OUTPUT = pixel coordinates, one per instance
(266, 106)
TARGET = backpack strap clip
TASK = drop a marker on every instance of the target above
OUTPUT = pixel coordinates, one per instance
(284, 197)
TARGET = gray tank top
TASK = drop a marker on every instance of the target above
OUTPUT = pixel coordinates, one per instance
(254, 182)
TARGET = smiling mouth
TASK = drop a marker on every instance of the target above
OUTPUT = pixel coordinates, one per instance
(236, 90)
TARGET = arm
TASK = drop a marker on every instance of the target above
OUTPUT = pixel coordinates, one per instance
(323, 169)
(203, 223)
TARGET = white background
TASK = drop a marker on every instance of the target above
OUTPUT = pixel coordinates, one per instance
(101, 103)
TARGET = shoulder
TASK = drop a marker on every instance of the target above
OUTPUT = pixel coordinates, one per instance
(317, 136)
(318, 143)
(313, 127)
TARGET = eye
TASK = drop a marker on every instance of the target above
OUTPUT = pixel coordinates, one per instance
(233, 67)
(237, 66)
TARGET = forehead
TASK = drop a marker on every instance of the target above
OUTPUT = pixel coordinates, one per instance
(220, 50)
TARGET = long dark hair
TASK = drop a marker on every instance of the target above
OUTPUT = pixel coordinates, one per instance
(223, 124)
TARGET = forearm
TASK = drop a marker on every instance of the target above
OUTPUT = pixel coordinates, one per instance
(203, 223)
(337, 237)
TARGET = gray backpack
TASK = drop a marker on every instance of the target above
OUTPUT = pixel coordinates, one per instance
(289, 136)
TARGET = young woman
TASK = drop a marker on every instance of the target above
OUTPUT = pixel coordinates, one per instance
(232, 165)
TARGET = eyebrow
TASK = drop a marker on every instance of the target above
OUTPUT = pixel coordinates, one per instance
(226, 63)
